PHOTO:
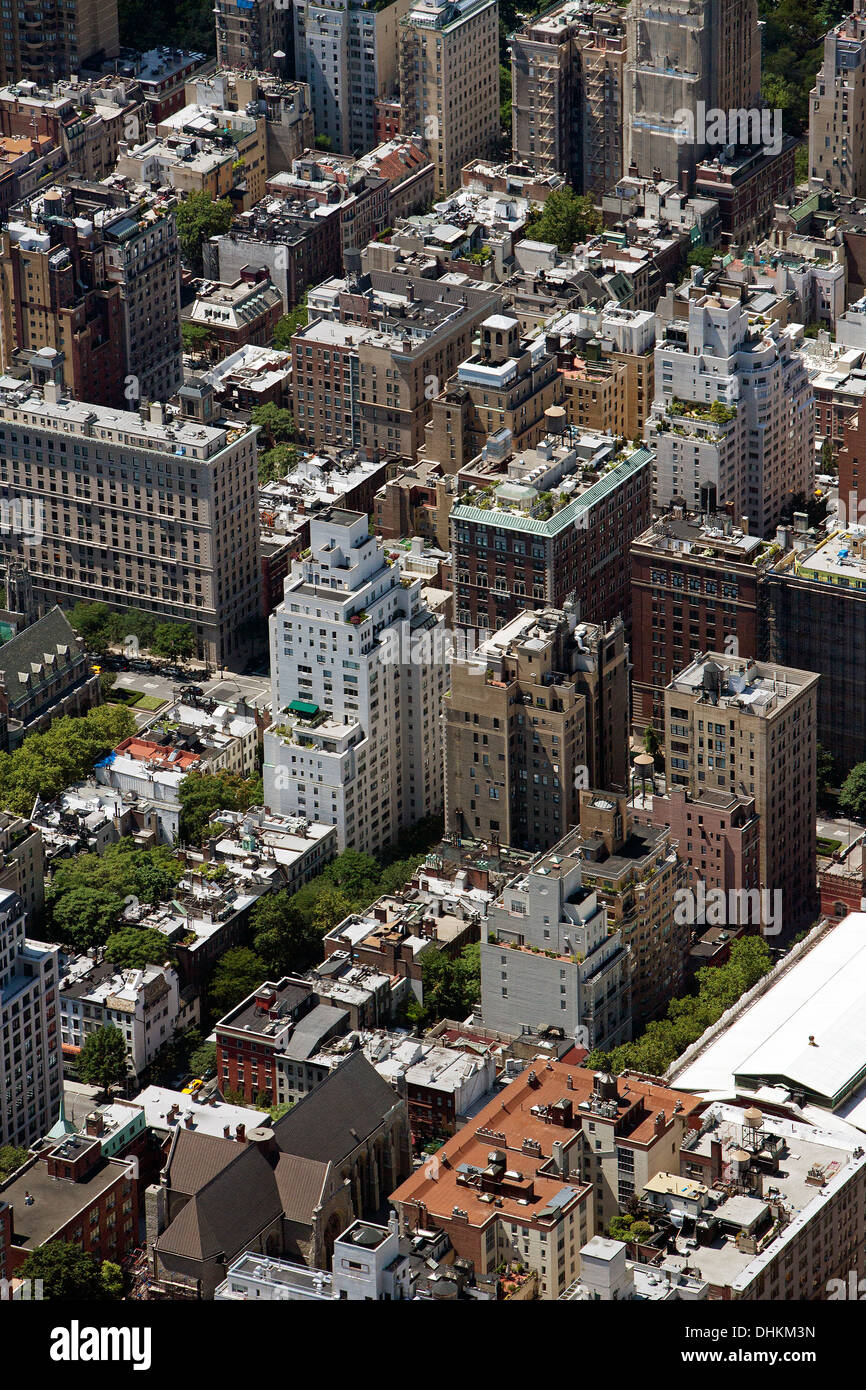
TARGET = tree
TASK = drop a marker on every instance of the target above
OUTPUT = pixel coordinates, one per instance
(195, 336)
(828, 457)
(701, 256)
(324, 142)
(651, 741)
(202, 793)
(566, 218)
(331, 907)
(198, 218)
(852, 797)
(68, 1274)
(133, 948)
(10, 1159)
(277, 462)
(290, 324)
(203, 1059)
(238, 973)
(102, 1060)
(47, 762)
(87, 894)
(111, 1279)
(173, 640)
(283, 937)
(275, 423)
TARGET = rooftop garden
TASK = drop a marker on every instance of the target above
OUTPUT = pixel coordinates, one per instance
(717, 413)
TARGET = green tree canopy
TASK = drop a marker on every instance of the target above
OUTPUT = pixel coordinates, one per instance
(10, 1159)
(238, 973)
(47, 762)
(277, 462)
(173, 640)
(68, 1273)
(133, 948)
(565, 219)
(283, 937)
(275, 423)
(202, 793)
(289, 324)
(852, 797)
(102, 1060)
(198, 218)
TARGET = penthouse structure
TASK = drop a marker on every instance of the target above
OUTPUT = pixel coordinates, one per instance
(743, 726)
(558, 1152)
(550, 961)
(239, 315)
(535, 528)
(449, 82)
(508, 384)
(92, 270)
(164, 508)
(356, 739)
(285, 105)
(732, 411)
(567, 70)
(696, 586)
(30, 1032)
(539, 710)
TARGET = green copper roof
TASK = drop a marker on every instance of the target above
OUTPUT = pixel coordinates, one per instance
(62, 1126)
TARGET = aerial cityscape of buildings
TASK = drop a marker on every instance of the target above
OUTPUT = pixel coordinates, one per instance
(432, 653)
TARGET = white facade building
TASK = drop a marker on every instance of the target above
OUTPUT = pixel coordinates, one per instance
(358, 671)
(144, 1004)
(732, 411)
(31, 1076)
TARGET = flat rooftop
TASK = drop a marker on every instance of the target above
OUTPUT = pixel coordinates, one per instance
(807, 1032)
(55, 1200)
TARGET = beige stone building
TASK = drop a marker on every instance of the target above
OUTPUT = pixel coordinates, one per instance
(749, 727)
(449, 82)
(837, 111)
(537, 712)
(135, 509)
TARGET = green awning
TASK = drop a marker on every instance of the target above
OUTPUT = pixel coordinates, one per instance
(303, 707)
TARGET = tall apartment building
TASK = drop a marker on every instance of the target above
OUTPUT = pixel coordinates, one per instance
(134, 508)
(358, 665)
(550, 959)
(695, 585)
(367, 376)
(680, 55)
(749, 727)
(52, 40)
(449, 82)
(346, 50)
(732, 412)
(637, 873)
(530, 530)
(815, 620)
(717, 836)
(509, 383)
(537, 712)
(94, 271)
(567, 69)
(837, 111)
(29, 1029)
(250, 33)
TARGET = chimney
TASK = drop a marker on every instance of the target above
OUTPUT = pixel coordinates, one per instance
(188, 1120)
(227, 1131)
(94, 1125)
(241, 1134)
(744, 525)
